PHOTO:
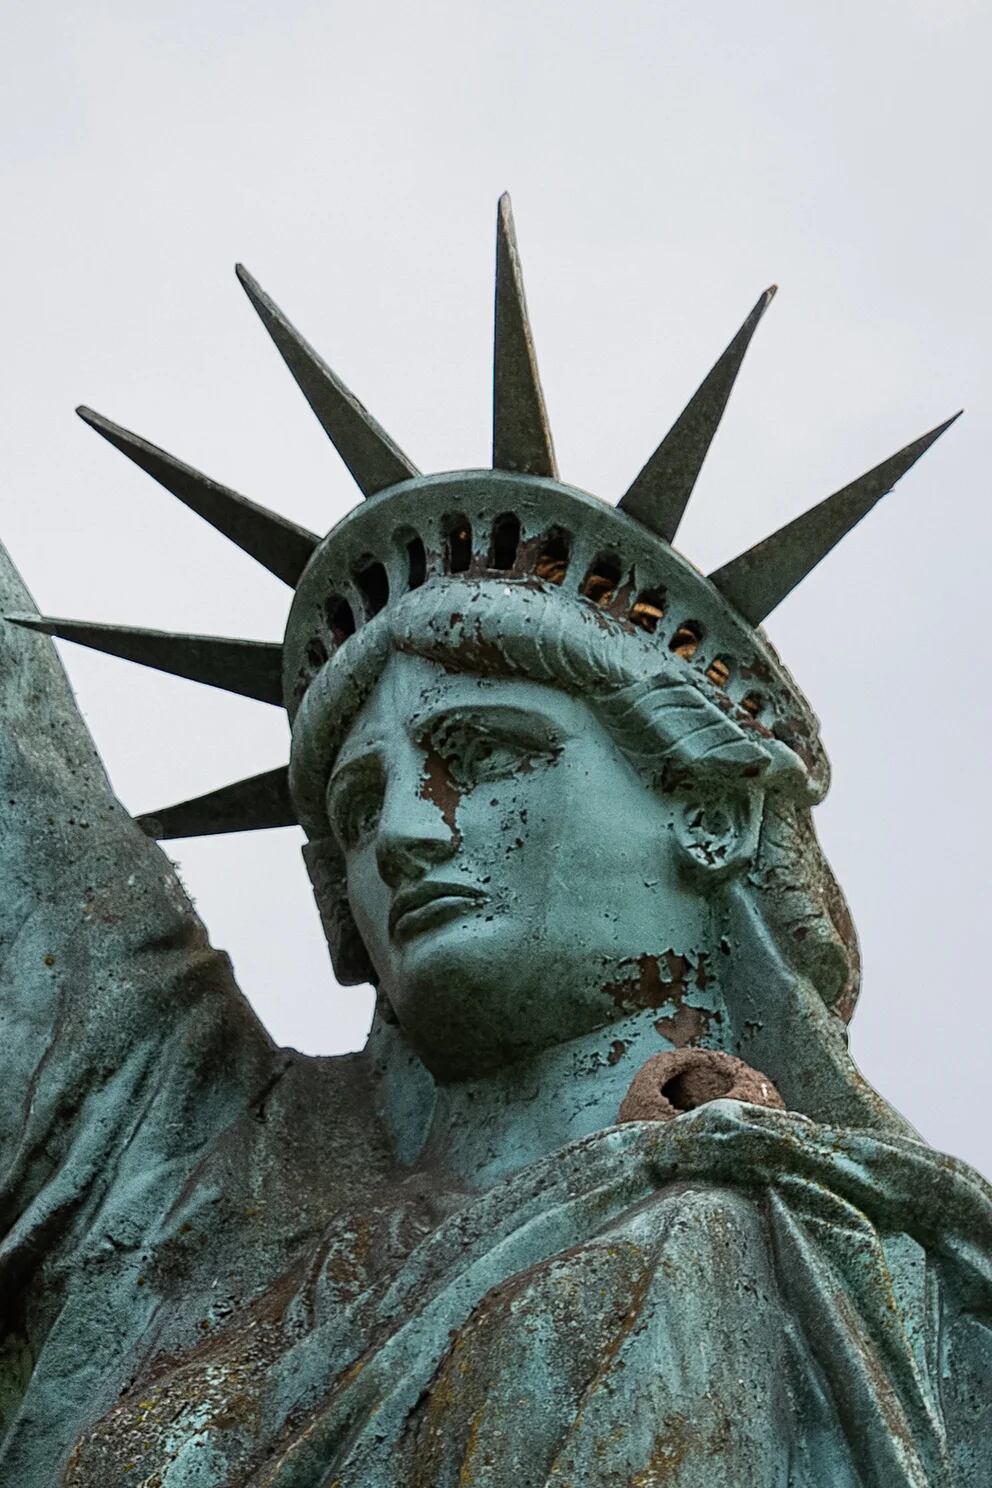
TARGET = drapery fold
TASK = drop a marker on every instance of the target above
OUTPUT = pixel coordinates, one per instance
(741, 1295)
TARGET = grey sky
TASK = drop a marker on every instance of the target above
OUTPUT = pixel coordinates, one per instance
(667, 161)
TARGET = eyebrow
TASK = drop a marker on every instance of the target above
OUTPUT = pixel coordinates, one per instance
(423, 723)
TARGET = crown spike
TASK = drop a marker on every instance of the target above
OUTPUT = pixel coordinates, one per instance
(758, 580)
(660, 494)
(373, 459)
(246, 806)
(521, 436)
(278, 544)
(251, 668)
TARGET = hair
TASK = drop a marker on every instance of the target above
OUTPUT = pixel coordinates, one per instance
(677, 729)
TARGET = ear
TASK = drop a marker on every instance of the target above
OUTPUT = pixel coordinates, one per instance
(718, 833)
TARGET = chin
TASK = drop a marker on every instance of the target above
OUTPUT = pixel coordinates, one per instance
(472, 1004)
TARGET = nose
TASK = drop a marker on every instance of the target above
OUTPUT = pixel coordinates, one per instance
(412, 834)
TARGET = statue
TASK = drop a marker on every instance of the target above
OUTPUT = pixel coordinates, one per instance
(604, 1201)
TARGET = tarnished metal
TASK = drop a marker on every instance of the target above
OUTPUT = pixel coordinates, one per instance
(521, 433)
(252, 668)
(660, 494)
(758, 580)
(246, 806)
(277, 543)
(374, 460)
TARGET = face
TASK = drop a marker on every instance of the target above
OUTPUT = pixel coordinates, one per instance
(515, 882)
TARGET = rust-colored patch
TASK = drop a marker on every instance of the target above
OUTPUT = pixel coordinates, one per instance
(684, 1026)
(845, 1005)
(751, 725)
(619, 603)
(668, 1454)
(618, 1049)
(437, 785)
(473, 653)
(791, 730)
(529, 550)
(654, 982)
(757, 671)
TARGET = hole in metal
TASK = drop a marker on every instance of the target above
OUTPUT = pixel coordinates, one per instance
(316, 654)
(752, 703)
(457, 544)
(340, 618)
(505, 541)
(718, 671)
(649, 608)
(416, 558)
(695, 1086)
(602, 578)
(685, 641)
(374, 585)
(552, 560)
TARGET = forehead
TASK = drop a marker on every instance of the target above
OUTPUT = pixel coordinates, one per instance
(412, 689)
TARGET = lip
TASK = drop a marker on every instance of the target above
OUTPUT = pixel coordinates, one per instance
(425, 904)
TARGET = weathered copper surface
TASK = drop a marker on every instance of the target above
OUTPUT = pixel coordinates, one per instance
(604, 1202)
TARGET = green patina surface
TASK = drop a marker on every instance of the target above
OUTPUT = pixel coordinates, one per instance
(604, 1202)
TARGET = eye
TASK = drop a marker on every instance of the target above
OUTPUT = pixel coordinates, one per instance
(474, 751)
(354, 805)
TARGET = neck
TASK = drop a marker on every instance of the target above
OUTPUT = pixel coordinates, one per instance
(478, 1130)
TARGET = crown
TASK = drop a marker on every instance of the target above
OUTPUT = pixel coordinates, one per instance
(516, 523)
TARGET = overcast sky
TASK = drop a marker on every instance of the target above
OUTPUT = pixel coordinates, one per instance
(667, 160)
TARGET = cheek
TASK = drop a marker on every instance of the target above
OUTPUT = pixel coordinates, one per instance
(560, 830)
(510, 827)
(368, 898)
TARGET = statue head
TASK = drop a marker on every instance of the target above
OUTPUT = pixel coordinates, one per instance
(530, 768)
(549, 772)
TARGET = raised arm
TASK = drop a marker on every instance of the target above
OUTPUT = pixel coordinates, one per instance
(114, 1009)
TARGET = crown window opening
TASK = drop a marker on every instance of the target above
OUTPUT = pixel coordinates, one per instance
(718, 671)
(648, 609)
(602, 578)
(457, 544)
(340, 619)
(505, 542)
(553, 556)
(686, 640)
(373, 582)
(416, 561)
(752, 703)
(316, 654)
